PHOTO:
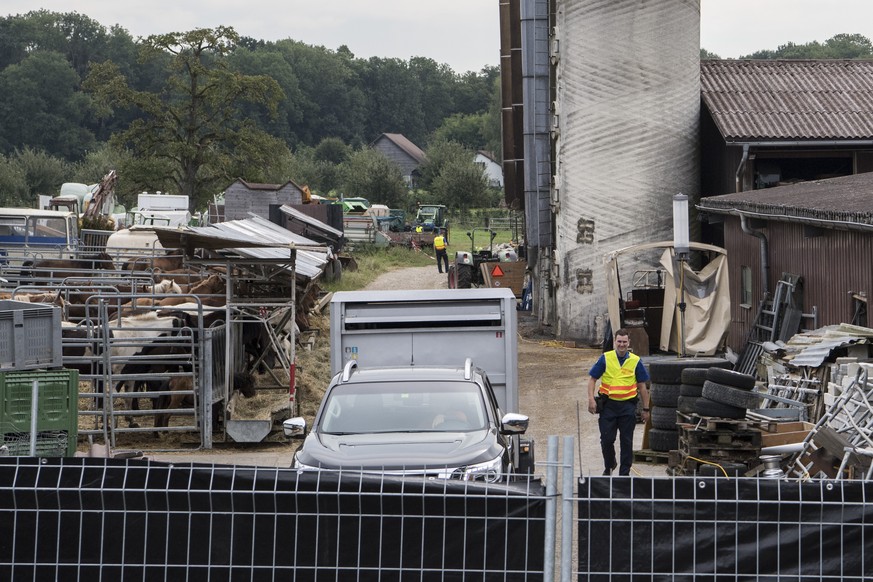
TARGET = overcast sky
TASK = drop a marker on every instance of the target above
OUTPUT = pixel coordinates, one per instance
(461, 33)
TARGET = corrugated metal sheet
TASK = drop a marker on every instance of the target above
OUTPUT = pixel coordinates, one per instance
(253, 231)
(846, 199)
(628, 105)
(789, 99)
(812, 349)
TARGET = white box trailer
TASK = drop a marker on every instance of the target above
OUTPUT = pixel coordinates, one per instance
(440, 327)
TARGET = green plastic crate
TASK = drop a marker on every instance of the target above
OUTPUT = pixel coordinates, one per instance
(57, 412)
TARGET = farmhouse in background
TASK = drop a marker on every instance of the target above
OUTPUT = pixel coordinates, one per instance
(493, 170)
(405, 154)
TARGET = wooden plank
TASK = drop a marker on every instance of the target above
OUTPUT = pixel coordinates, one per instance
(775, 439)
(651, 457)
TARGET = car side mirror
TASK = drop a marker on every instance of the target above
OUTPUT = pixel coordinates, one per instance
(295, 428)
(512, 423)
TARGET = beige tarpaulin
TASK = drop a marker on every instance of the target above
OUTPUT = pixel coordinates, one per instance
(707, 296)
(707, 311)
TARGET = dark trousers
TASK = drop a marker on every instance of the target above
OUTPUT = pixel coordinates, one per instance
(442, 259)
(618, 417)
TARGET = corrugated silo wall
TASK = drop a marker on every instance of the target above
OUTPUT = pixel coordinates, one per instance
(627, 106)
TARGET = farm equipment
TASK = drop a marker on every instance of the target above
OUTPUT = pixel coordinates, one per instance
(429, 220)
(486, 267)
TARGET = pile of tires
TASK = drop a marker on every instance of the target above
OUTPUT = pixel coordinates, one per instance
(726, 394)
(665, 393)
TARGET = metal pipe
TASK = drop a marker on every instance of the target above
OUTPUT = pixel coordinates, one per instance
(741, 166)
(765, 253)
(34, 410)
(551, 509)
(567, 512)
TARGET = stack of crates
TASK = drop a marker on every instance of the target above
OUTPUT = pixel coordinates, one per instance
(31, 351)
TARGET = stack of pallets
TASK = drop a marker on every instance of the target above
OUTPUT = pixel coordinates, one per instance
(728, 443)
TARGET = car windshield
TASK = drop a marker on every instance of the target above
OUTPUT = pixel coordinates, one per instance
(379, 407)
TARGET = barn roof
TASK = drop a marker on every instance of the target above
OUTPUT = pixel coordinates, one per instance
(267, 187)
(412, 150)
(755, 100)
(847, 200)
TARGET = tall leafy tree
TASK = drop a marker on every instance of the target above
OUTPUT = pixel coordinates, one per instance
(371, 175)
(331, 102)
(394, 99)
(42, 107)
(461, 184)
(191, 133)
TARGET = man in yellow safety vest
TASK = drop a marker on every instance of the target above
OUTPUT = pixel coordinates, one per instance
(442, 257)
(623, 380)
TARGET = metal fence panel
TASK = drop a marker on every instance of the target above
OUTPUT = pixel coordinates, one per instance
(107, 519)
(724, 529)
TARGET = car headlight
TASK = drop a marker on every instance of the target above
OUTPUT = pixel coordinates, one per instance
(296, 464)
(489, 471)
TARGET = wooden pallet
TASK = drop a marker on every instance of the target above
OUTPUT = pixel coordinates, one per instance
(697, 422)
(718, 453)
(725, 439)
(651, 457)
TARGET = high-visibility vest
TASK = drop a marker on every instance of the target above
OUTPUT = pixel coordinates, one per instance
(619, 381)
(439, 242)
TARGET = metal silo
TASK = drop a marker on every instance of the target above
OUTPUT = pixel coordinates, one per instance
(626, 116)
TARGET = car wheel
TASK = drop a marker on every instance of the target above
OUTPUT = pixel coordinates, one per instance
(695, 390)
(730, 395)
(663, 440)
(453, 277)
(695, 376)
(731, 378)
(670, 371)
(686, 404)
(706, 407)
(664, 417)
(664, 394)
(465, 276)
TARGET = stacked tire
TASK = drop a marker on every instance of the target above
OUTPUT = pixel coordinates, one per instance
(726, 394)
(665, 396)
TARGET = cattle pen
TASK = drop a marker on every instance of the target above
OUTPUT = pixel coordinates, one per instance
(181, 339)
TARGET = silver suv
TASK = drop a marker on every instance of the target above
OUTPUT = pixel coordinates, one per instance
(435, 421)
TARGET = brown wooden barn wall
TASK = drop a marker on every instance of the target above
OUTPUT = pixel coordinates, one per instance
(833, 266)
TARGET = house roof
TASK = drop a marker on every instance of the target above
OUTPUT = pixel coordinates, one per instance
(847, 200)
(756, 100)
(268, 187)
(412, 150)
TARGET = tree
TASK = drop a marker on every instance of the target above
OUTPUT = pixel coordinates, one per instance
(461, 184)
(13, 184)
(464, 129)
(840, 46)
(439, 154)
(42, 108)
(371, 175)
(705, 54)
(42, 173)
(191, 133)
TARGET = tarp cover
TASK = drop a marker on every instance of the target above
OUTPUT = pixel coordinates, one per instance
(707, 311)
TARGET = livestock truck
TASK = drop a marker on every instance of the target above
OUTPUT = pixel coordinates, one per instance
(424, 382)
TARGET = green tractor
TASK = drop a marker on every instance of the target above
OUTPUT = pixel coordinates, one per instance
(467, 271)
